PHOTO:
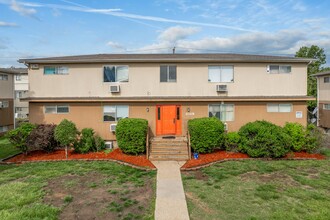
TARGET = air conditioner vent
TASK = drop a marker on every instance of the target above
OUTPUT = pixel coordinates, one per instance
(113, 127)
(34, 66)
(114, 89)
(221, 88)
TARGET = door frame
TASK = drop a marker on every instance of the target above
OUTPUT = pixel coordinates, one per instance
(178, 119)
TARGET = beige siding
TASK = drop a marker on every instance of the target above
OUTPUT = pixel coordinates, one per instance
(91, 115)
(324, 90)
(250, 79)
(7, 87)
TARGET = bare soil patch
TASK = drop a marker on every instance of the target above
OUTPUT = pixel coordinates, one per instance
(91, 197)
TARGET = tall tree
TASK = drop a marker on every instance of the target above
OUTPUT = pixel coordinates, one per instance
(318, 54)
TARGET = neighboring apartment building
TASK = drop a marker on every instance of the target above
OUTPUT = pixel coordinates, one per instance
(323, 99)
(167, 89)
(6, 100)
(21, 86)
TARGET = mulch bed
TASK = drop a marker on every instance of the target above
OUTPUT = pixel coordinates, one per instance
(220, 155)
(117, 154)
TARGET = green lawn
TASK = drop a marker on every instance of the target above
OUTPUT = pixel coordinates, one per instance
(102, 190)
(259, 190)
(6, 148)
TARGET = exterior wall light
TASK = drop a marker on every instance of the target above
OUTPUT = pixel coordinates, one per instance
(188, 109)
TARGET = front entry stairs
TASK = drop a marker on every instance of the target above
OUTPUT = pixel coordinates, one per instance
(169, 149)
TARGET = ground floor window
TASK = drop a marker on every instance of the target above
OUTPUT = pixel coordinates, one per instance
(56, 109)
(3, 128)
(282, 107)
(224, 112)
(326, 106)
(115, 112)
(4, 104)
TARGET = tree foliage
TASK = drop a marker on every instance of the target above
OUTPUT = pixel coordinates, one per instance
(317, 53)
(42, 137)
(19, 136)
(66, 134)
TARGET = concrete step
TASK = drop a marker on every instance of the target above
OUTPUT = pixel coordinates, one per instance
(169, 157)
(169, 152)
(168, 147)
(169, 143)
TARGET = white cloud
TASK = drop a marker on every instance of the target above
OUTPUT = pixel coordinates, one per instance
(174, 34)
(7, 24)
(15, 6)
(116, 46)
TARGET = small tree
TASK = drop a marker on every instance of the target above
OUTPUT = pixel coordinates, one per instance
(66, 134)
(19, 136)
(42, 137)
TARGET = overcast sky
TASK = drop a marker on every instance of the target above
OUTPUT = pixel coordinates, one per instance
(44, 28)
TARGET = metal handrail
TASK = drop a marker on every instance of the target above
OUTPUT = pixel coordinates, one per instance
(189, 146)
(147, 144)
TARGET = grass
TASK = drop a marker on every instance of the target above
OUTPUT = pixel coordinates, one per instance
(22, 186)
(259, 190)
(6, 148)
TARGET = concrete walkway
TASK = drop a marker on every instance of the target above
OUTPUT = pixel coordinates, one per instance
(170, 198)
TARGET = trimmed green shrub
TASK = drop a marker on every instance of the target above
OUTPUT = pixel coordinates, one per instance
(314, 138)
(131, 135)
(66, 134)
(42, 137)
(19, 136)
(263, 139)
(86, 143)
(232, 140)
(206, 134)
(99, 143)
(297, 135)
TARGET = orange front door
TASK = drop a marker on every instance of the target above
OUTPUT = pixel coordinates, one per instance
(168, 120)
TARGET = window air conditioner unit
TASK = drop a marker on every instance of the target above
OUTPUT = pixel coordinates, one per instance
(221, 88)
(113, 127)
(114, 89)
(1, 106)
(34, 66)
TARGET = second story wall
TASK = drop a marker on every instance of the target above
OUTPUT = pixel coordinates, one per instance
(6, 86)
(250, 79)
(324, 88)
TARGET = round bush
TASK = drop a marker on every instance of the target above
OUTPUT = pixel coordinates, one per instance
(206, 134)
(296, 134)
(263, 139)
(131, 135)
(232, 140)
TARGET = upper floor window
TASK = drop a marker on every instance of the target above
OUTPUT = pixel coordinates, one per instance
(168, 73)
(224, 112)
(279, 69)
(326, 79)
(279, 107)
(56, 109)
(20, 94)
(115, 74)
(56, 70)
(4, 104)
(115, 112)
(18, 77)
(326, 106)
(3, 77)
(221, 74)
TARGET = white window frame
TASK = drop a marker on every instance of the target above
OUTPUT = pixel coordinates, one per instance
(223, 105)
(4, 129)
(58, 70)
(115, 106)
(18, 77)
(4, 77)
(168, 80)
(280, 69)
(56, 109)
(326, 106)
(326, 79)
(5, 104)
(278, 106)
(116, 73)
(220, 73)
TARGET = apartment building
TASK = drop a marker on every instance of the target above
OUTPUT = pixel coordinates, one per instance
(21, 87)
(323, 99)
(167, 89)
(6, 100)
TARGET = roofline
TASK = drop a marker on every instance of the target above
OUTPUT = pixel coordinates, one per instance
(322, 73)
(82, 59)
(170, 99)
(13, 71)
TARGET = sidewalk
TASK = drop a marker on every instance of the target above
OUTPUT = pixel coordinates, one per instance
(170, 198)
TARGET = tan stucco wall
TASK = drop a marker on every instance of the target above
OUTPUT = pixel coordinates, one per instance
(250, 79)
(91, 115)
(324, 89)
(7, 114)
(7, 87)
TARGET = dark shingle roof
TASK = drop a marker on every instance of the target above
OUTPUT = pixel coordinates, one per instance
(14, 70)
(150, 58)
(322, 73)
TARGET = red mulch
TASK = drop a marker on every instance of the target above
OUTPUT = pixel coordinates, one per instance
(116, 154)
(221, 155)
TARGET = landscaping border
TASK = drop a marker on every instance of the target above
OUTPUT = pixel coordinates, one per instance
(239, 159)
(89, 160)
(9, 157)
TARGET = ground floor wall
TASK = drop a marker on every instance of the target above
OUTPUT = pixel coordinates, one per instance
(90, 115)
(7, 116)
(324, 115)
